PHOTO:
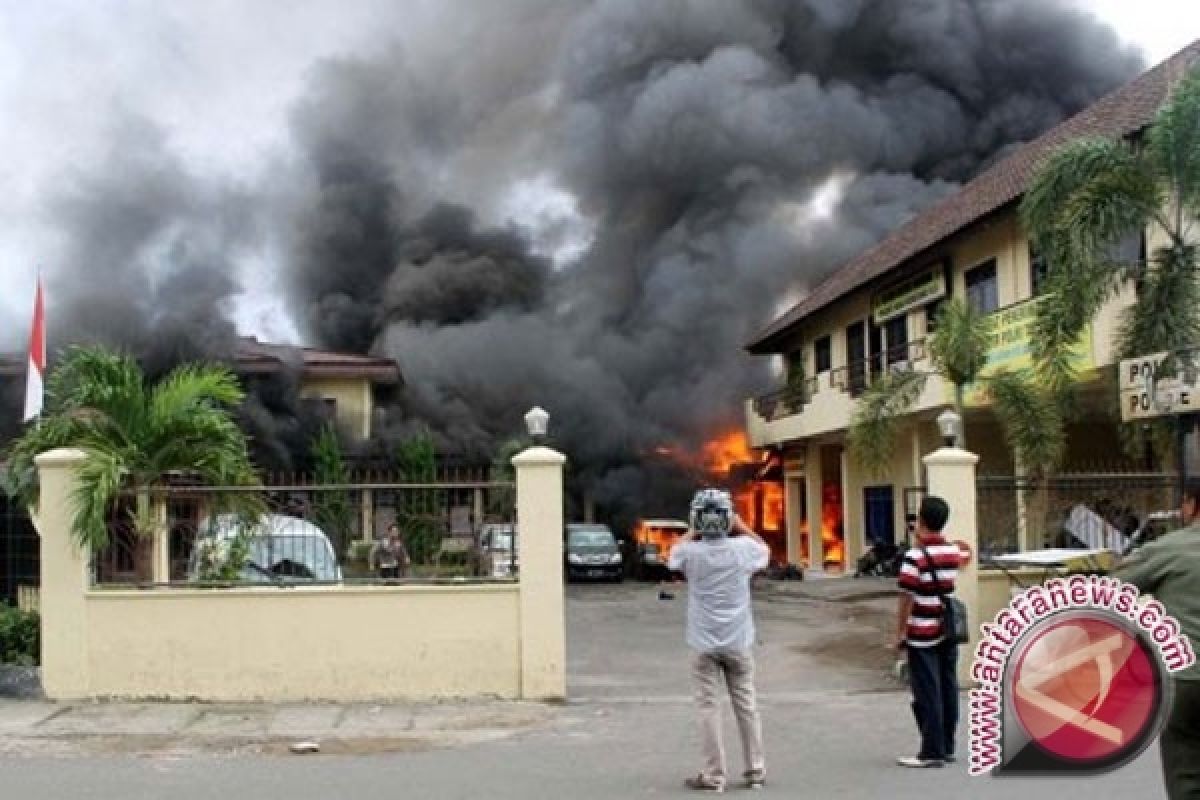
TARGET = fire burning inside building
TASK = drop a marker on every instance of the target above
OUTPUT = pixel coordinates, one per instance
(756, 481)
(529, 227)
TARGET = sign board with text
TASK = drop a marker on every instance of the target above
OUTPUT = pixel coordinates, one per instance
(1011, 347)
(900, 298)
(1146, 395)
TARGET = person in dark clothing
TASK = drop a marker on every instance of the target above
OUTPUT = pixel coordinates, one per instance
(928, 573)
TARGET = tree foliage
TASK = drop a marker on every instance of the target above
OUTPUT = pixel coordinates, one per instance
(875, 425)
(421, 513)
(1028, 412)
(333, 510)
(960, 346)
(502, 500)
(1087, 198)
(134, 435)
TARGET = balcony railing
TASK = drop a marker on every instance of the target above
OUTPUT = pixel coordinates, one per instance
(854, 379)
(785, 402)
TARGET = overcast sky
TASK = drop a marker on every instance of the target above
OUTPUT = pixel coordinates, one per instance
(219, 80)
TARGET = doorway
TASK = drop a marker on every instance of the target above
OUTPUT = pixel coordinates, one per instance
(879, 506)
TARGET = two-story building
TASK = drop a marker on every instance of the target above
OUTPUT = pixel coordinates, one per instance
(877, 313)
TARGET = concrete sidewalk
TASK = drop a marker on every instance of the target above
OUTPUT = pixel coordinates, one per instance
(195, 727)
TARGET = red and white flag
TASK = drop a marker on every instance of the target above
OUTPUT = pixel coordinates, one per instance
(34, 385)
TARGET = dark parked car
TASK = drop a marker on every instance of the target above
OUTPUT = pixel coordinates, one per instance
(592, 552)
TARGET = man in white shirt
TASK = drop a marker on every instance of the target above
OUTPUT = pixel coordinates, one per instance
(720, 630)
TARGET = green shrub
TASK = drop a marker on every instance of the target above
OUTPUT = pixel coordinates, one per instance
(20, 637)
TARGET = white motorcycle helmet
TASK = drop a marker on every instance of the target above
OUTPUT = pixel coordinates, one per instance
(712, 513)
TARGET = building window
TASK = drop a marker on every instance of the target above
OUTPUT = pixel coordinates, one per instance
(856, 357)
(983, 288)
(823, 354)
(1129, 250)
(875, 348)
(896, 335)
(1039, 271)
(931, 314)
(329, 408)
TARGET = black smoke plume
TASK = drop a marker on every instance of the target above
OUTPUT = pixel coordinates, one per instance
(716, 159)
(695, 136)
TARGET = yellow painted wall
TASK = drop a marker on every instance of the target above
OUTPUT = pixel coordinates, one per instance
(831, 409)
(336, 643)
(355, 405)
(343, 644)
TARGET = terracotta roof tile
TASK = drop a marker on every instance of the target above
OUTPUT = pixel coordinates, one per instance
(1120, 113)
(255, 357)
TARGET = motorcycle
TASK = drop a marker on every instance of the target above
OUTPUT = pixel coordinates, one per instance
(882, 559)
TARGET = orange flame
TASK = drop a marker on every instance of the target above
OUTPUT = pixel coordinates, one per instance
(665, 538)
(760, 503)
(833, 539)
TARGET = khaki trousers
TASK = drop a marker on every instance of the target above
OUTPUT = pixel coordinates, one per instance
(737, 669)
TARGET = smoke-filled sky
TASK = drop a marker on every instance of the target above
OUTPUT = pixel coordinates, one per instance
(219, 79)
(587, 205)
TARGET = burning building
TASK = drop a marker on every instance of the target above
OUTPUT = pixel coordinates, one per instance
(589, 213)
(755, 479)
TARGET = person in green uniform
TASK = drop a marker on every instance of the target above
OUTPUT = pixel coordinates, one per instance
(1169, 569)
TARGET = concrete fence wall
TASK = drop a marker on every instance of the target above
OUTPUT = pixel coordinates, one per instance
(343, 644)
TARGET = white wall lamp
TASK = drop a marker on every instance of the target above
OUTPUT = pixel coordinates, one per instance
(949, 422)
(537, 422)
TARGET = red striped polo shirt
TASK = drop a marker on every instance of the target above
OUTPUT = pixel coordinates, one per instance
(916, 578)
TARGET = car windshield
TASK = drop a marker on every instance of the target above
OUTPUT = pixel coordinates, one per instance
(590, 537)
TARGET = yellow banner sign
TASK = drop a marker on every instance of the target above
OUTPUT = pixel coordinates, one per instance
(1012, 347)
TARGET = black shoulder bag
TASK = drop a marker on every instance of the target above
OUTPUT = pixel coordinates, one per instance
(954, 612)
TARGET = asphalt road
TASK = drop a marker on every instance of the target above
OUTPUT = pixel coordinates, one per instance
(833, 723)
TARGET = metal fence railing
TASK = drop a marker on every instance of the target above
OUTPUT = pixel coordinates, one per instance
(20, 571)
(287, 535)
(1070, 510)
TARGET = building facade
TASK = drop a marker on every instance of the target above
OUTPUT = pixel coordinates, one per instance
(877, 313)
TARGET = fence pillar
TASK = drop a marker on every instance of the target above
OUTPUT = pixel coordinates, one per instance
(366, 516)
(161, 569)
(64, 578)
(951, 473)
(539, 535)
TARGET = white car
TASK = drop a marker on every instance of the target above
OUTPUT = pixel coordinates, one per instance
(277, 548)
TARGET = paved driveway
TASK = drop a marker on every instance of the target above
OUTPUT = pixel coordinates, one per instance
(625, 643)
(833, 721)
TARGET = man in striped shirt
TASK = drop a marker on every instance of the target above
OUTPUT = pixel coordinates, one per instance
(928, 573)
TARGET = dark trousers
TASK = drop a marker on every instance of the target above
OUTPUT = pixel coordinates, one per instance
(1180, 743)
(933, 672)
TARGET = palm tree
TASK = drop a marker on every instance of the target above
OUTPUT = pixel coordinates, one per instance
(1031, 419)
(134, 435)
(1092, 194)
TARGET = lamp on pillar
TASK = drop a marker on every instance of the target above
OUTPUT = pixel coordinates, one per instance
(537, 422)
(950, 424)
